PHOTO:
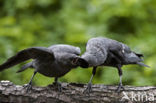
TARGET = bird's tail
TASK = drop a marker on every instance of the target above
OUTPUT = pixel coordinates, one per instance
(142, 64)
(139, 55)
(26, 66)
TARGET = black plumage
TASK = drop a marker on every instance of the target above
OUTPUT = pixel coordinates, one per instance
(54, 61)
(107, 52)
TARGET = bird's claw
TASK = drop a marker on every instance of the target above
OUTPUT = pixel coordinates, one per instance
(28, 87)
(58, 85)
(88, 89)
(120, 86)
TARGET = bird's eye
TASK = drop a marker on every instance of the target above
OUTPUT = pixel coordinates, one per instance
(74, 60)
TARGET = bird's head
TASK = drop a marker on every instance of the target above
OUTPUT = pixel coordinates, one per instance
(78, 61)
(71, 60)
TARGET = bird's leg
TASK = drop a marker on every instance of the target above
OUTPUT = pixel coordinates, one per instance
(29, 85)
(120, 86)
(89, 85)
(58, 84)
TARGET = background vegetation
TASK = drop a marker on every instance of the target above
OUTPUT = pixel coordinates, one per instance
(27, 23)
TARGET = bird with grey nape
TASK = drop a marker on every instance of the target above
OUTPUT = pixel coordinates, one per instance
(54, 61)
(107, 52)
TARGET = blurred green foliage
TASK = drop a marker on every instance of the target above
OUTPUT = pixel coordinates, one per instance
(27, 23)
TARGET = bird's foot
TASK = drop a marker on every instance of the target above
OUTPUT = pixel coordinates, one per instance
(58, 85)
(120, 86)
(28, 87)
(88, 89)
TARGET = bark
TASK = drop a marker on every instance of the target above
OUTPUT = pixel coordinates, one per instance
(73, 93)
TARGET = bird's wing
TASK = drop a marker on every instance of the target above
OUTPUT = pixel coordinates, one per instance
(30, 53)
(65, 48)
(116, 50)
(26, 66)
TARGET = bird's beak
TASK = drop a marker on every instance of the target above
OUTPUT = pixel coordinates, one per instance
(80, 62)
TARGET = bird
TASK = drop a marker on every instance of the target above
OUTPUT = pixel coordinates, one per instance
(54, 61)
(101, 51)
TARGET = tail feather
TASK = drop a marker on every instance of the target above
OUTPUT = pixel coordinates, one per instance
(24, 67)
(142, 64)
(139, 55)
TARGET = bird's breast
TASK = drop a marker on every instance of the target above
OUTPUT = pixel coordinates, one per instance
(51, 69)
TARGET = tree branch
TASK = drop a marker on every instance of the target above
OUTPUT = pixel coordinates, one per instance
(73, 93)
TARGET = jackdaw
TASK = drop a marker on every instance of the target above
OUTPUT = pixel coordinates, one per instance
(102, 51)
(54, 61)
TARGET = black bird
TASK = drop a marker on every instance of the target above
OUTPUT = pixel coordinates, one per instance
(107, 52)
(54, 61)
